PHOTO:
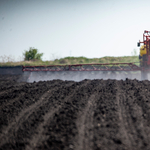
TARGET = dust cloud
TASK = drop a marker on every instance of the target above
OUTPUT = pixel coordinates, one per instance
(80, 75)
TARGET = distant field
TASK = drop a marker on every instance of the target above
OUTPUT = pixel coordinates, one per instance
(74, 60)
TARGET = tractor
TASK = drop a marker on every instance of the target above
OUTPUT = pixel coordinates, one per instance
(143, 66)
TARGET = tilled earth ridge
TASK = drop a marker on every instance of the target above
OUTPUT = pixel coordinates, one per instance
(86, 115)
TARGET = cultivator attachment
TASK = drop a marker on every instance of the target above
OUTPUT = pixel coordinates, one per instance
(79, 72)
(92, 71)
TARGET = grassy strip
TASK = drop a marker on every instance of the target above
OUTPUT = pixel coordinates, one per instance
(74, 60)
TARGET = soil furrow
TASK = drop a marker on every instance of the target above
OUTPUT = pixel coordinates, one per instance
(84, 126)
(106, 118)
(84, 138)
(135, 121)
(26, 98)
(24, 115)
(39, 136)
(123, 116)
(61, 124)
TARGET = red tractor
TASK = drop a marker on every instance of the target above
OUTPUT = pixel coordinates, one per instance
(145, 55)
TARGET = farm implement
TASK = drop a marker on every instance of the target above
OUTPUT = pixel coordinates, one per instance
(57, 71)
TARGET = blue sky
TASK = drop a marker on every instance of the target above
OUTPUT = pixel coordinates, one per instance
(61, 28)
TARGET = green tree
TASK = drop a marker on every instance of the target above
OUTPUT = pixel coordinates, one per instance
(32, 54)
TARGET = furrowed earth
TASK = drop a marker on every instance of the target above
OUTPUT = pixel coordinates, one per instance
(66, 115)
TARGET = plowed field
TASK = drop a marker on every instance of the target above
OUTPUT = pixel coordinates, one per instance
(68, 115)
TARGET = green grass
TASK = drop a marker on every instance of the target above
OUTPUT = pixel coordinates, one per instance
(73, 60)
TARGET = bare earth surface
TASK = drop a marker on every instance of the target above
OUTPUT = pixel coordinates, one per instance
(68, 115)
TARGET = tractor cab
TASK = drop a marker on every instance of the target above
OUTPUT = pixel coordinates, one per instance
(144, 55)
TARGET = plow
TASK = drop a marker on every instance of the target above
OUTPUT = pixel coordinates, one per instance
(138, 70)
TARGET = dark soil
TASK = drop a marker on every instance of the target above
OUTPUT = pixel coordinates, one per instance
(68, 115)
